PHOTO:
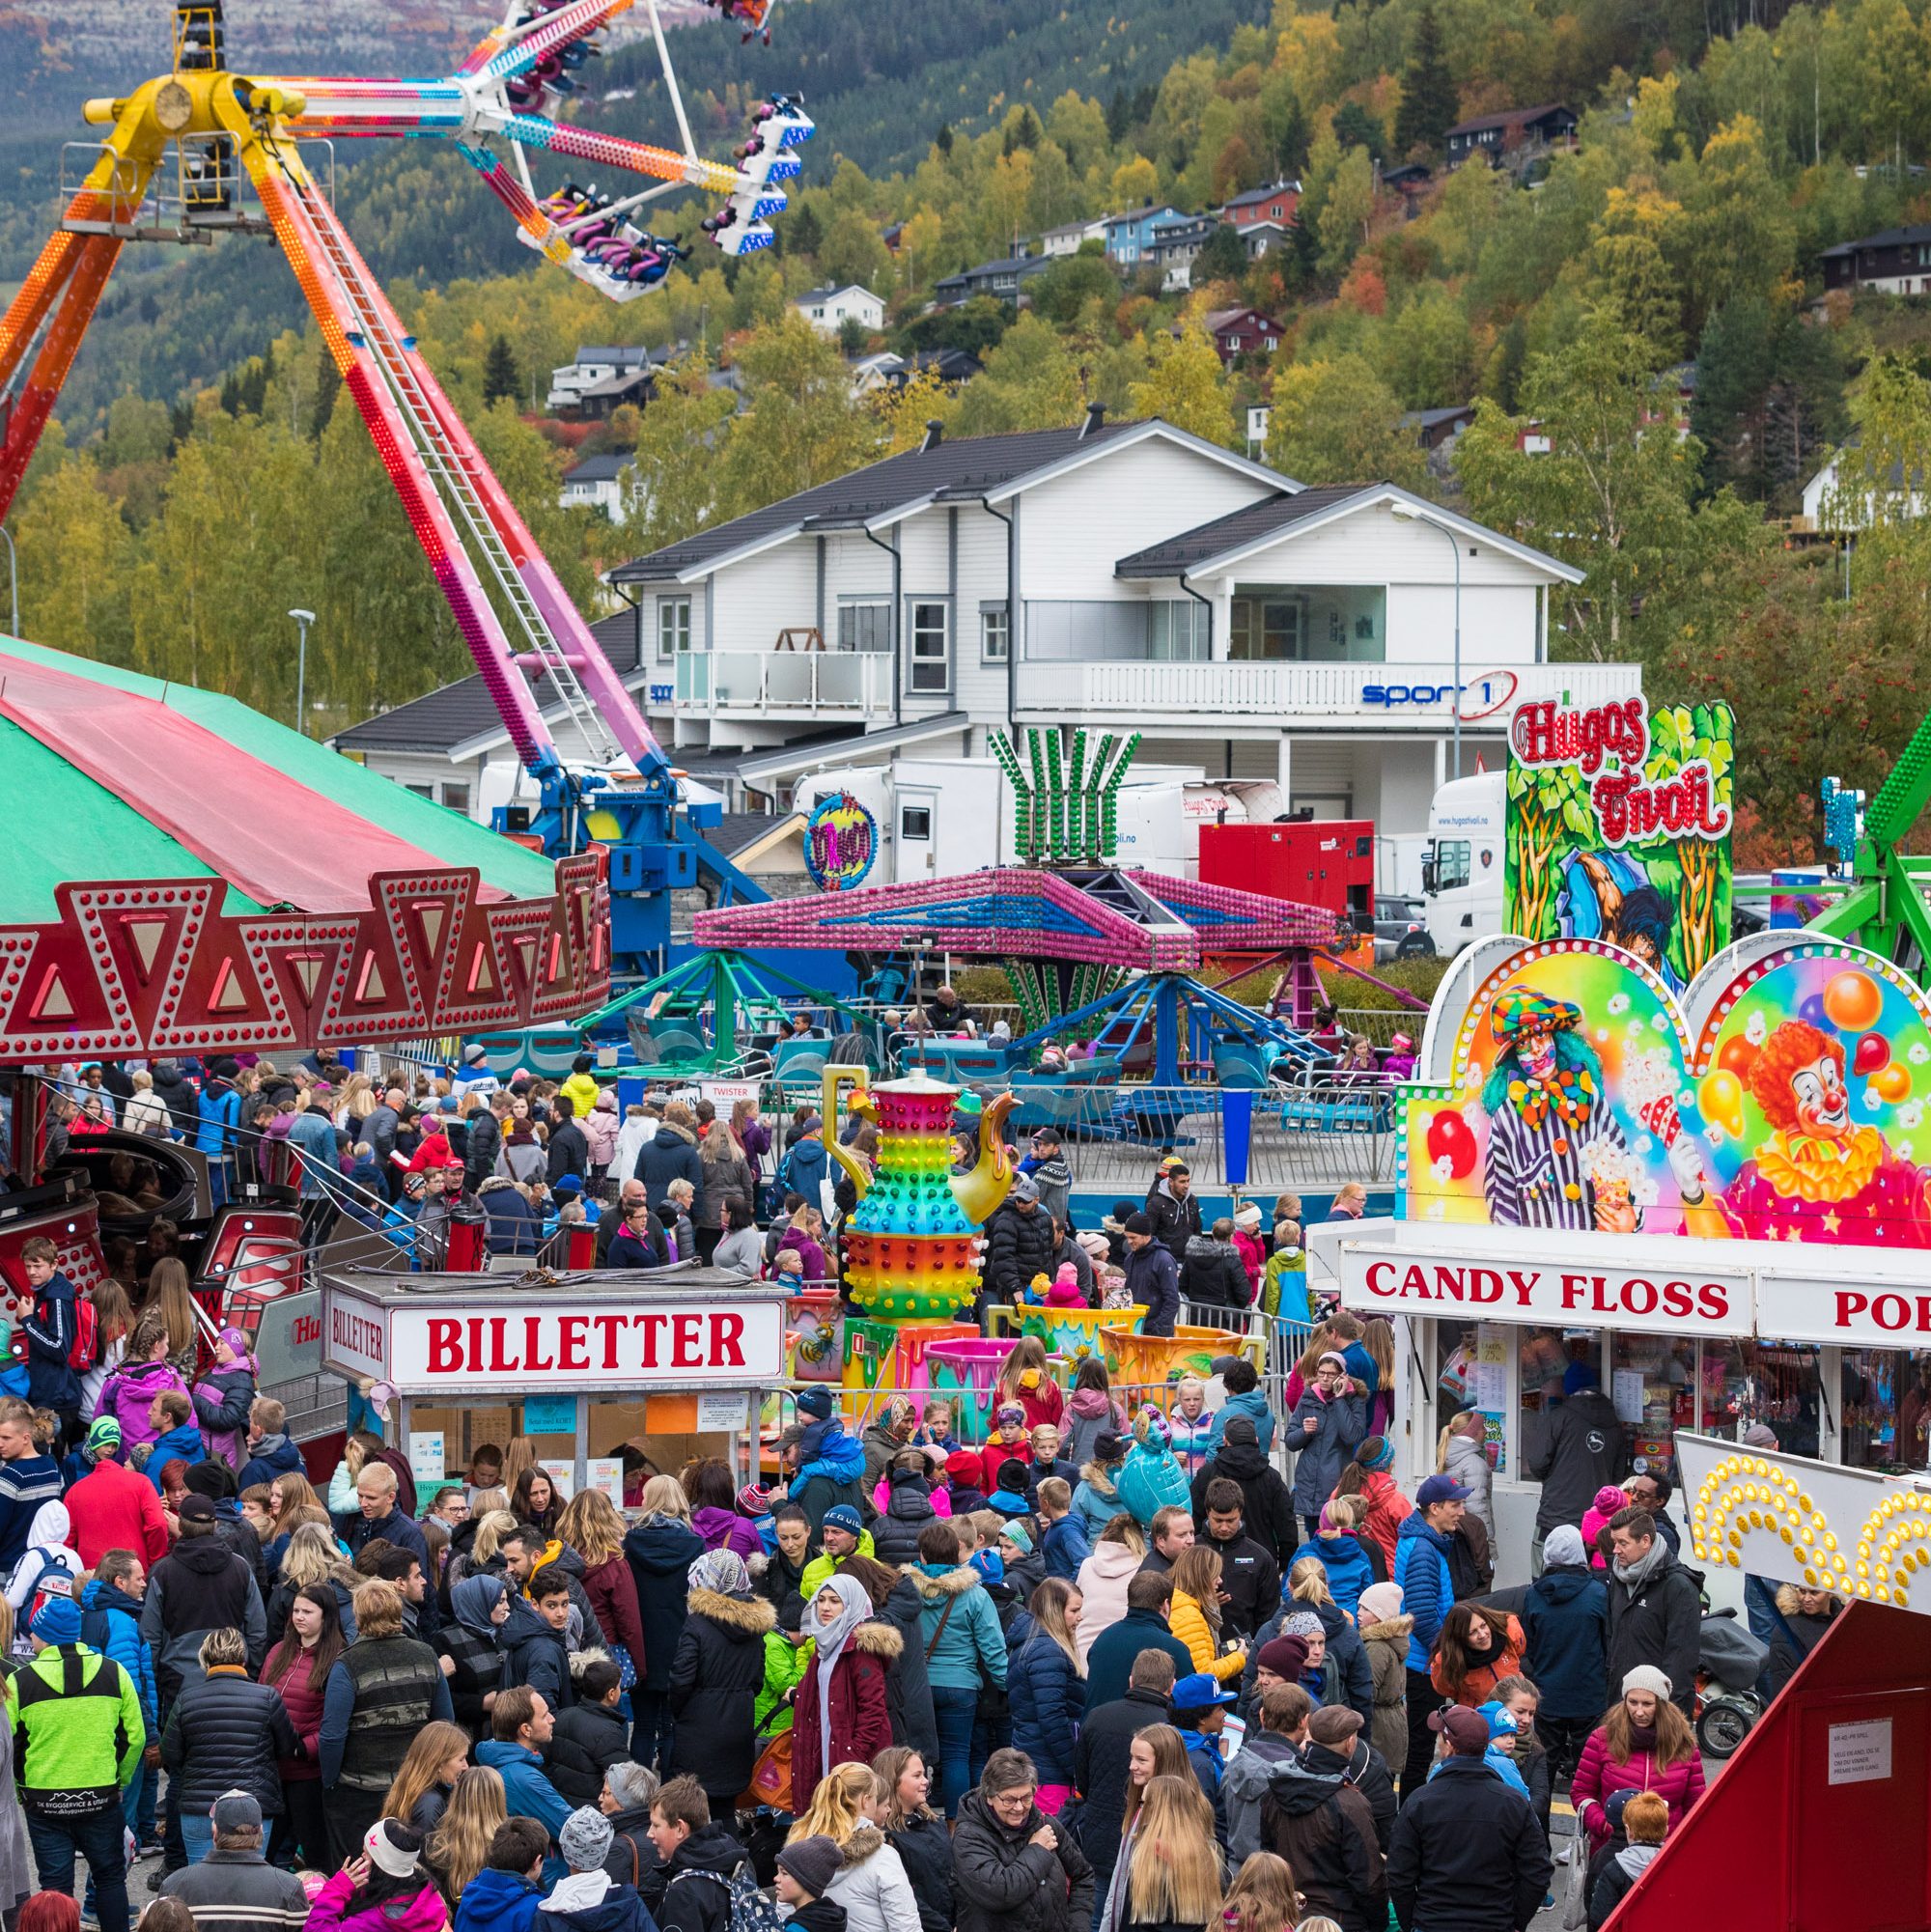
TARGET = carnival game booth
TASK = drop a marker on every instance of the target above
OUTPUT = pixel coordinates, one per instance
(589, 1365)
(1714, 1201)
(187, 877)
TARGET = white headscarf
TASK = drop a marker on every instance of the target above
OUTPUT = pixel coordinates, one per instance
(855, 1607)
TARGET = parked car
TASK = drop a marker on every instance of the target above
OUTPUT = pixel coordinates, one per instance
(1401, 930)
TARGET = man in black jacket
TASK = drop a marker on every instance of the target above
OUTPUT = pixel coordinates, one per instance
(200, 1586)
(1250, 1574)
(486, 1141)
(1018, 1244)
(590, 1737)
(568, 1150)
(699, 1856)
(1467, 1855)
(234, 1889)
(1109, 1664)
(1267, 1505)
(1173, 1210)
(1655, 1611)
(1585, 1450)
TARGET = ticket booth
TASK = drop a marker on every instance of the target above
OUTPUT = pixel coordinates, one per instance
(599, 1370)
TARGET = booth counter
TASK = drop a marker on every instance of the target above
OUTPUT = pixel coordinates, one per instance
(586, 1364)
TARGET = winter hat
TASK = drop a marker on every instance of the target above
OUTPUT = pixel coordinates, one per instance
(210, 1478)
(1581, 1375)
(1376, 1452)
(1644, 1677)
(1760, 1436)
(475, 1053)
(1009, 1412)
(1500, 1723)
(1015, 1534)
(719, 1570)
(753, 1500)
(566, 1187)
(842, 1516)
(962, 1463)
(225, 1069)
(1136, 1224)
(1380, 1603)
(585, 1840)
(1012, 1476)
(393, 1848)
(234, 1339)
(816, 1403)
(1302, 1623)
(104, 1436)
(991, 1566)
(1609, 1499)
(1334, 1356)
(57, 1621)
(1249, 1218)
(1563, 1547)
(1285, 1656)
(812, 1862)
(1067, 1275)
(1123, 1213)
(1108, 1448)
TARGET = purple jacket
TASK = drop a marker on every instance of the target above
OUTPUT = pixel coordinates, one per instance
(723, 1529)
(127, 1393)
(424, 1913)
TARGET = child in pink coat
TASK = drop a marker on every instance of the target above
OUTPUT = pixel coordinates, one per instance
(1596, 1519)
(1062, 1292)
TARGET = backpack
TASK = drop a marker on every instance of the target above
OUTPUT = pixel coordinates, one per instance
(749, 1909)
(85, 1350)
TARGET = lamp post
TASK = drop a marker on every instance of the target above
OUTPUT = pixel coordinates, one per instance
(13, 578)
(1410, 514)
(303, 619)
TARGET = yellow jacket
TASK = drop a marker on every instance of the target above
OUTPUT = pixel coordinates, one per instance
(581, 1092)
(1188, 1622)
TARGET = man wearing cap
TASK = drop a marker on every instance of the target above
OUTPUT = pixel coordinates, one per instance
(77, 1738)
(113, 1508)
(589, 1899)
(234, 1889)
(1324, 1827)
(1340, 1736)
(1153, 1275)
(1427, 1589)
(1466, 1854)
(1171, 1209)
(1200, 1708)
(1018, 1244)
(842, 1532)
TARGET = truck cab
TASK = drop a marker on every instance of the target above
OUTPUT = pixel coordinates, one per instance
(1461, 863)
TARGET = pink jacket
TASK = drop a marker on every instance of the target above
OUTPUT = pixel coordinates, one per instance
(600, 1126)
(1253, 1258)
(127, 1393)
(1679, 1786)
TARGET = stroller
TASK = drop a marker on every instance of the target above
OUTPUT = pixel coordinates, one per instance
(1731, 1659)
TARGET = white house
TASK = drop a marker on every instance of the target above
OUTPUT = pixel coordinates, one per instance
(596, 483)
(595, 363)
(827, 310)
(1072, 236)
(1126, 576)
(1826, 510)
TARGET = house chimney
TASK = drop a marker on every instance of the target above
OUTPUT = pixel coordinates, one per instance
(1096, 418)
(935, 432)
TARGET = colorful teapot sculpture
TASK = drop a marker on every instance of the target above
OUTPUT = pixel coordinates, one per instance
(913, 1245)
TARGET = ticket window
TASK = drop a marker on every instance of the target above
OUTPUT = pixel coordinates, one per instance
(1653, 1383)
(660, 1434)
(1885, 1407)
(465, 1430)
(1778, 1384)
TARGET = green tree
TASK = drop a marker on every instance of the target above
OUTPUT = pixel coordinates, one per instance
(801, 232)
(501, 380)
(673, 481)
(1338, 422)
(1186, 386)
(1355, 127)
(1030, 383)
(798, 425)
(853, 252)
(1222, 259)
(1062, 292)
(1428, 102)
(1342, 224)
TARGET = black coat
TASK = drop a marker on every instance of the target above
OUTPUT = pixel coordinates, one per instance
(1175, 1223)
(1267, 1503)
(1017, 1247)
(1100, 1770)
(907, 1687)
(1585, 1450)
(634, 1859)
(1566, 1621)
(1325, 1829)
(925, 1849)
(479, 1670)
(1004, 1882)
(1210, 1274)
(1153, 1280)
(1468, 1854)
(1367, 1770)
(670, 1154)
(1659, 1623)
(589, 1739)
(1251, 1578)
(697, 1887)
(1109, 1663)
(660, 1552)
(569, 1153)
(908, 1510)
(224, 1734)
(715, 1680)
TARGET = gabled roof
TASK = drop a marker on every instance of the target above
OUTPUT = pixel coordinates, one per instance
(606, 468)
(463, 712)
(1509, 117)
(1885, 237)
(825, 293)
(1226, 540)
(1009, 264)
(1254, 196)
(1151, 211)
(632, 356)
(1432, 419)
(1216, 320)
(959, 469)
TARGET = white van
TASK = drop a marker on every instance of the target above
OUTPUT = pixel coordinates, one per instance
(1462, 867)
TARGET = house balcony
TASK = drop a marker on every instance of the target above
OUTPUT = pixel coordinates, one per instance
(837, 686)
(1366, 697)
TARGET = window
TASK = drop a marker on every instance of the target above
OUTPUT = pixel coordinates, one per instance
(915, 822)
(673, 625)
(864, 626)
(1451, 864)
(1176, 629)
(457, 798)
(424, 792)
(931, 654)
(995, 633)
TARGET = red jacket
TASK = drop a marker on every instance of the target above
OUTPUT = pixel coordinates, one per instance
(860, 1727)
(302, 1698)
(1679, 1786)
(117, 1508)
(612, 1592)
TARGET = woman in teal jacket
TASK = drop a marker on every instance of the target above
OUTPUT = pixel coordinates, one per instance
(1427, 1595)
(965, 1652)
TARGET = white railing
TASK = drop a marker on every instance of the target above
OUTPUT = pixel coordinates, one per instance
(844, 684)
(1417, 697)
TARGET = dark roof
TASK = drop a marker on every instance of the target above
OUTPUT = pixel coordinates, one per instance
(1245, 526)
(605, 468)
(961, 467)
(1509, 117)
(465, 710)
(736, 830)
(603, 352)
(1408, 171)
(1430, 419)
(1887, 238)
(1010, 265)
(1263, 194)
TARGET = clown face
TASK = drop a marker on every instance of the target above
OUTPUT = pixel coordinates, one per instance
(1536, 1052)
(1823, 1106)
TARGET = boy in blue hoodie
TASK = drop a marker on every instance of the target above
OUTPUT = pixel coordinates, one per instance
(829, 1465)
(171, 1415)
(49, 1332)
(1244, 1398)
(504, 1895)
(1200, 1716)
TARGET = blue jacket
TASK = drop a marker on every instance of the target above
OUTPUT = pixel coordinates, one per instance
(272, 1457)
(1065, 1546)
(1153, 1279)
(1500, 1762)
(220, 1109)
(834, 1473)
(184, 1442)
(1349, 1571)
(498, 1901)
(970, 1652)
(1427, 1590)
(110, 1622)
(1253, 1405)
(526, 1791)
(50, 1331)
(313, 1135)
(672, 1156)
(1048, 1699)
(1320, 1458)
(1203, 1753)
(801, 1170)
(1566, 1622)
(1095, 1507)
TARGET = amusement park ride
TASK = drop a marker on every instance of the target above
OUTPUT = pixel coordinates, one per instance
(173, 167)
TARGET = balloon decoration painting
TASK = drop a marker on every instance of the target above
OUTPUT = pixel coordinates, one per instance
(841, 842)
(1782, 1097)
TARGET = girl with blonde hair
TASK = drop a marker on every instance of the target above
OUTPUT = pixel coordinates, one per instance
(518, 1456)
(591, 1526)
(663, 1495)
(170, 1306)
(436, 1757)
(1262, 1898)
(1194, 1616)
(1168, 1871)
(458, 1847)
(846, 1806)
(313, 1557)
(1026, 1378)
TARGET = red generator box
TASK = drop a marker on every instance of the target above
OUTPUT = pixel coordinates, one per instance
(1325, 862)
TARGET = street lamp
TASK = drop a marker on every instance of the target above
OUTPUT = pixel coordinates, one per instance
(303, 619)
(1411, 514)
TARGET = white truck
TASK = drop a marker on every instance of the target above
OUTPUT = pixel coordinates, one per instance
(1462, 865)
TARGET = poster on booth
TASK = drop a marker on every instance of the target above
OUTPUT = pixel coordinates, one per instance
(1617, 827)
(1781, 1098)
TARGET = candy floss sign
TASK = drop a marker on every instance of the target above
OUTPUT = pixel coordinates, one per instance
(1618, 829)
